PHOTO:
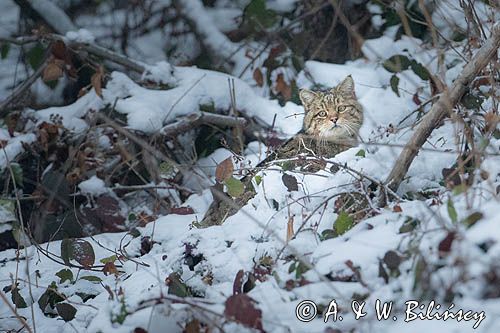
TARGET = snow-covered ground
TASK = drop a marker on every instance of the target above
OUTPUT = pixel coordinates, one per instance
(398, 255)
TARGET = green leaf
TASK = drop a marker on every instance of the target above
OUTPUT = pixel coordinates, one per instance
(292, 267)
(361, 153)
(394, 84)
(4, 50)
(258, 180)
(460, 188)
(409, 225)
(343, 223)
(257, 13)
(17, 299)
(49, 297)
(300, 270)
(91, 278)
(51, 84)
(65, 274)
(35, 56)
(66, 311)
(420, 70)
(176, 286)
(472, 102)
(235, 187)
(287, 165)
(473, 218)
(397, 63)
(452, 211)
(109, 259)
(327, 234)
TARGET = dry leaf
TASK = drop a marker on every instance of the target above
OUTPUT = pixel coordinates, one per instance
(224, 170)
(52, 72)
(96, 82)
(397, 209)
(258, 77)
(97, 79)
(283, 88)
(110, 268)
(289, 229)
(58, 49)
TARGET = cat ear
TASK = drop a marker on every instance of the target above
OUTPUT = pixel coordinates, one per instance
(346, 87)
(307, 96)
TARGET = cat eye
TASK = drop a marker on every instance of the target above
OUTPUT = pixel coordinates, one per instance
(322, 114)
(341, 108)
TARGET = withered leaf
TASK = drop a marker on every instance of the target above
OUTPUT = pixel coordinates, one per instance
(224, 170)
(258, 77)
(242, 308)
(282, 87)
(51, 72)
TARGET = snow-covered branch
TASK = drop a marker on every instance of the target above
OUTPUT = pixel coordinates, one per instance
(443, 107)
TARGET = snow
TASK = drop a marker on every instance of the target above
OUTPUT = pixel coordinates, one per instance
(14, 147)
(81, 36)
(94, 186)
(259, 230)
(149, 110)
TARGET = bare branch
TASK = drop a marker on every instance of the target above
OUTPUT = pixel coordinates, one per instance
(196, 119)
(443, 107)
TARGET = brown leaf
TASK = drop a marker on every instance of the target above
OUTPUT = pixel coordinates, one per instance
(224, 170)
(238, 282)
(58, 49)
(181, 210)
(96, 81)
(397, 209)
(52, 72)
(416, 99)
(241, 308)
(445, 245)
(283, 88)
(110, 268)
(82, 92)
(146, 245)
(258, 77)
(83, 252)
(192, 327)
(290, 182)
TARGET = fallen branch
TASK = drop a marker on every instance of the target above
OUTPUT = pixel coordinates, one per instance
(443, 107)
(91, 48)
(199, 118)
(105, 53)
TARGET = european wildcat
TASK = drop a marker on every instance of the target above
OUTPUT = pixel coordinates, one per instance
(331, 125)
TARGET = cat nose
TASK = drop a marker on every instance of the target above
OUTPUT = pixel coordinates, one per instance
(334, 119)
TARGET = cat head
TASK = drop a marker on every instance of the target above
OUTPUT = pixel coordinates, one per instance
(335, 114)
